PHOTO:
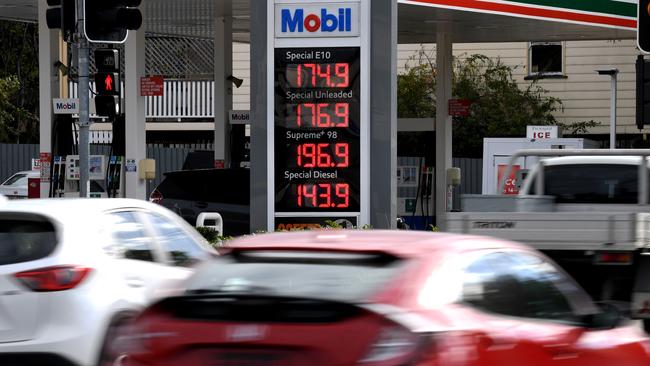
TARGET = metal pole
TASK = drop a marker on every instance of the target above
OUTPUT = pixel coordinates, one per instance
(612, 127)
(84, 120)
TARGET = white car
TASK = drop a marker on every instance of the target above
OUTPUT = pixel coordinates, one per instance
(16, 185)
(73, 271)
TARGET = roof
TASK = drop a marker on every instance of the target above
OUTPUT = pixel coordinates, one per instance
(418, 20)
(65, 209)
(396, 242)
(568, 160)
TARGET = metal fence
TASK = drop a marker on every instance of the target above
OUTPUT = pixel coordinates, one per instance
(181, 99)
(14, 158)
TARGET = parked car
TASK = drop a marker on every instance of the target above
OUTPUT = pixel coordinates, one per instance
(73, 271)
(16, 185)
(225, 191)
(382, 298)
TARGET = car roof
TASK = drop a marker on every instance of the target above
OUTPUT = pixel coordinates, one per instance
(399, 243)
(600, 159)
(62, 209)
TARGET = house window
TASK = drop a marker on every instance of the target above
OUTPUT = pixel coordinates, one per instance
(545, 59)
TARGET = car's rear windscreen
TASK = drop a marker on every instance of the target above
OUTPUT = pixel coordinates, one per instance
(25, 238)
(345, 277)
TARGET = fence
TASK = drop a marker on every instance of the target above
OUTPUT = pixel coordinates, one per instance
(15, 158)
(182, 99)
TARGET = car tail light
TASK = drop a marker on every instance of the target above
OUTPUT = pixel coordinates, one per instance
(395, 345)
(155, 196)
(620, 258)
(53, 278)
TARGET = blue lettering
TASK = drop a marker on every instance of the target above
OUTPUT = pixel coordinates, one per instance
(329, 22)
(348, 20)
(289, 23)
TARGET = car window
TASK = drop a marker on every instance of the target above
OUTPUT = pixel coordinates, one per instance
(524, 285)
(16, 180)
(591, 183)
(347, 277)
(130, 237)
(182, 249)
(25, 238)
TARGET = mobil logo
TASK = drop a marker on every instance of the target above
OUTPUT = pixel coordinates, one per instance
(297, 21)
(314, 21)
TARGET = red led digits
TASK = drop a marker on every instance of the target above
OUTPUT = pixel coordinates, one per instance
(312, 155)
(322, 115)
(311, 75)
(323, 195)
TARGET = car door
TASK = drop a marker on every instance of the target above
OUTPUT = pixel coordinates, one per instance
(524, 318)
(141, 264)
(532, 312)
(181, 249)
(556, 319)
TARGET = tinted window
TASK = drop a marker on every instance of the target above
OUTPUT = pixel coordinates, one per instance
(25, 238)
(523, 285)
(331, 276)
(181, 248)
(230, 186)
(591, 183)
(131, 238)
(16, 180)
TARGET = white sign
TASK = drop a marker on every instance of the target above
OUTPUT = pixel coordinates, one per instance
(131, 166)
(65, 106)
(36, 164)
(317, 20)
(239, 117)
(542, 132)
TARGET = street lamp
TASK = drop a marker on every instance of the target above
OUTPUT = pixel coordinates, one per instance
(613, 73)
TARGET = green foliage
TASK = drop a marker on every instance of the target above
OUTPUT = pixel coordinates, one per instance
(19, 82)
(212, 236)
(500, 107)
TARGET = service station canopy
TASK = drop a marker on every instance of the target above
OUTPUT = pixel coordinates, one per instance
(418, 20)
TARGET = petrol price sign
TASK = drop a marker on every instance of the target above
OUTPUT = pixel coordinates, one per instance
(317, 129)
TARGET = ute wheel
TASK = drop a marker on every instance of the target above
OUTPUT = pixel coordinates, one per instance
(646, 325)
(112, 353)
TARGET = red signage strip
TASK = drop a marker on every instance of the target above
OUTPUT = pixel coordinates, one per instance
(525, 11)
(459, 107)
(152, 86)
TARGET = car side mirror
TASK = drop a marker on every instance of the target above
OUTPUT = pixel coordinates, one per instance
(609, 317)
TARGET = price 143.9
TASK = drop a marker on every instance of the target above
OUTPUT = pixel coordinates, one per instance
(323, 195)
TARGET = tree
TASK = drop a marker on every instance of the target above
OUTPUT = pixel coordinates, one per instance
(19, 103)
(500, 108)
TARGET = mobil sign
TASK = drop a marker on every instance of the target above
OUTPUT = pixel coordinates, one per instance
(335, 19)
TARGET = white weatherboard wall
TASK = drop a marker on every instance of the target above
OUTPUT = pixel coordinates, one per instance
(584, 93)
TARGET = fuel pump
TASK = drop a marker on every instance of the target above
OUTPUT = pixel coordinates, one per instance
(97, 166)
(115, 177)
(415, 198)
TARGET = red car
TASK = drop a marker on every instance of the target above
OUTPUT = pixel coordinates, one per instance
(382, 298)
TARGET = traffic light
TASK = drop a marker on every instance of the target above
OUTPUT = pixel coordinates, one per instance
(107, 82)
(108, 21)
(642, 91)
(62, 14)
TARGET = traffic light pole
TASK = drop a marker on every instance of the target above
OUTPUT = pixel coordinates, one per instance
(84, 103)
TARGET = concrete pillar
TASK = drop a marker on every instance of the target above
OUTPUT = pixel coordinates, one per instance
(48, 52)
(259, 98)
(135, 124)
(222, 90)
(444, 64)
(383, 114)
